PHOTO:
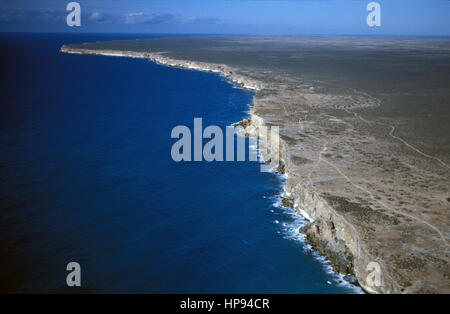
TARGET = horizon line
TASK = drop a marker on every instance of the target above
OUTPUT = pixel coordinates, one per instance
(225, 34)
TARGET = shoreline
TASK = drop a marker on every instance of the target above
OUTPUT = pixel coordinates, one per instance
(159, 58)
(347, 256)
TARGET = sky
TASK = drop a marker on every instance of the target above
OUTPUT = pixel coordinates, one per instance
(406, 17)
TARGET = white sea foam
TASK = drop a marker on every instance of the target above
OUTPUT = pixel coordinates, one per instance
(272, 167)
(290, 230)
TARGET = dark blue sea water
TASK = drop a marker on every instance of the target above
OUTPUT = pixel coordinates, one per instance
(87, 176)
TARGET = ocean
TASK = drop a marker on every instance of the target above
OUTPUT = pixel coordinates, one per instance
(87, 177)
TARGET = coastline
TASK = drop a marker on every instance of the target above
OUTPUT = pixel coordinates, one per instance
(291, 198)
(159, 58)
(366, 196)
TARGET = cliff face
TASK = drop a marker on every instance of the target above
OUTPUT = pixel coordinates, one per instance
(377, 204)
(328, 231)
(160, 58)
